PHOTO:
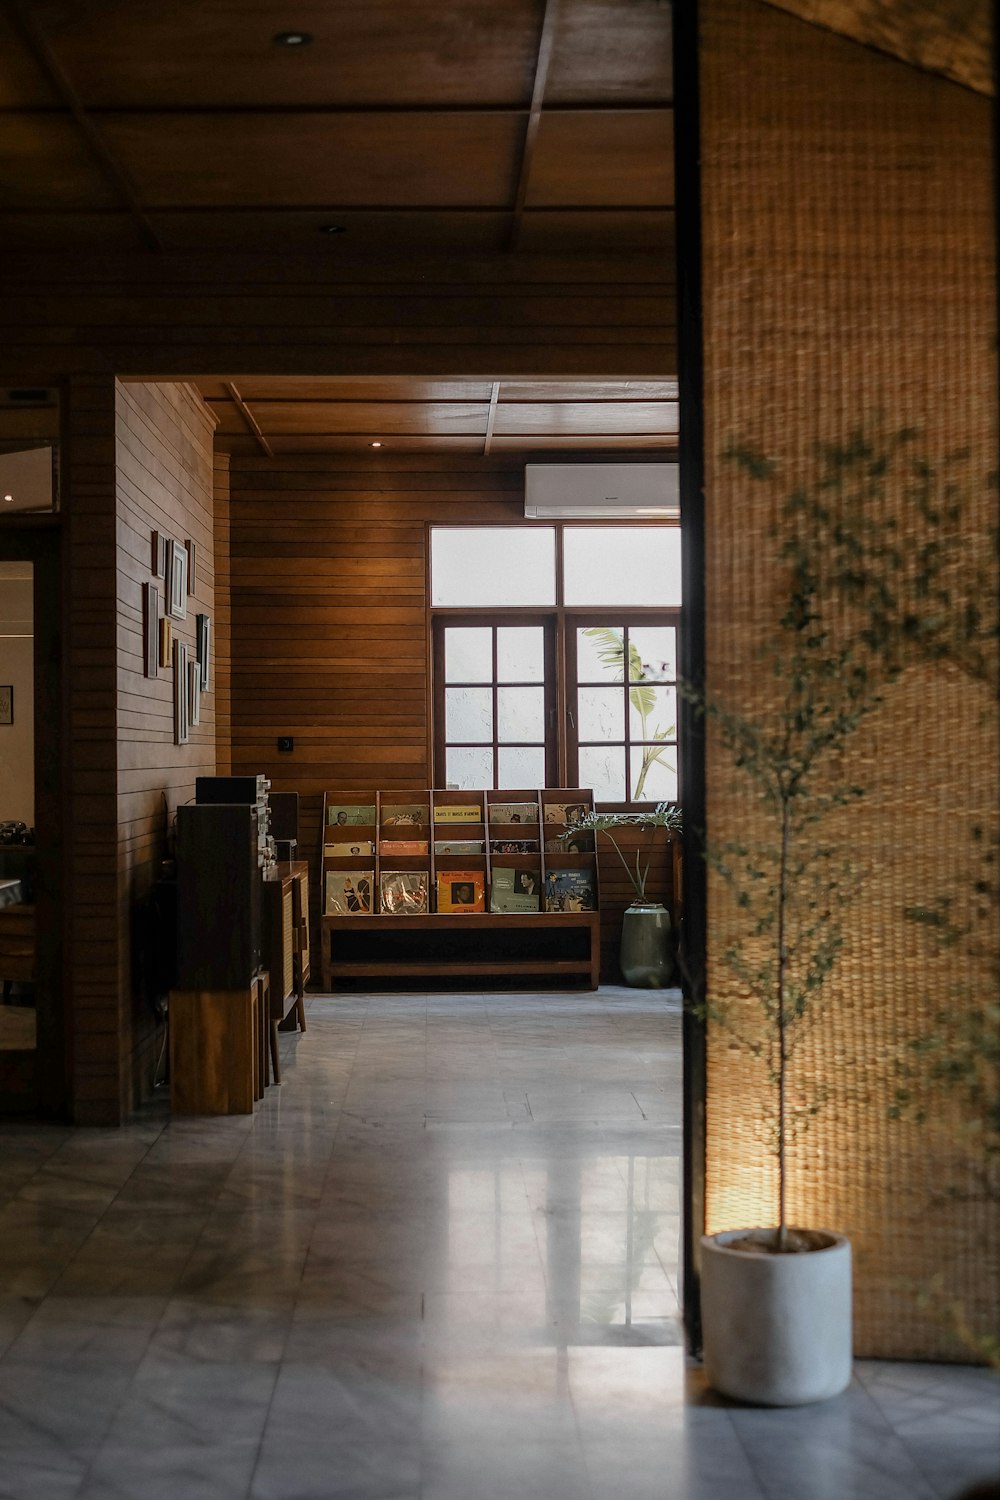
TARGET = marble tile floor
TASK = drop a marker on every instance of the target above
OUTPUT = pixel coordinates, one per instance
(439, 1263)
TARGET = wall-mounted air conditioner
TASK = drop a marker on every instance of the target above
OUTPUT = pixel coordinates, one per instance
(641, 491)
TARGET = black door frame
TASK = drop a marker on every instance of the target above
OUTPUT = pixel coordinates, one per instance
(690, 365)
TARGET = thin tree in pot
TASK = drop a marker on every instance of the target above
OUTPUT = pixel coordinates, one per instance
(791, 885)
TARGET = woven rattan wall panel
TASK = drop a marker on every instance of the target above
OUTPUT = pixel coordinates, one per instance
(849, 264)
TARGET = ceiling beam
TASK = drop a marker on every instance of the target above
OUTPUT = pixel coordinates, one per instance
(249, 419)
(27, 28)
(546, 43)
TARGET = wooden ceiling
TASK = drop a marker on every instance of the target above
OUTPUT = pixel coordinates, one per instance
(284, 415)
(464, 125)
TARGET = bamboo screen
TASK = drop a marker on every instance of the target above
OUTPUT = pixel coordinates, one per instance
(849, 283)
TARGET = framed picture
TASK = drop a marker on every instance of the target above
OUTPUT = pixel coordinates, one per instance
(192, 570)
(177, 567)
(194, 693)
(158, 558)
(181, 690)
(203, 649)
(6, 703)
(166, 641)
(151, 629)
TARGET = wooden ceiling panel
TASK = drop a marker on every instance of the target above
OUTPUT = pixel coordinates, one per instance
(607, 52)
(23, 85)
(575, 443)
(571, 418)
(613, 158)
(298, 231)
(207, 53)
(621, 230)
(588, 390)
(60, 231)
(353, 443)
(44, 163)
(369, 419)
(309, 158)
(291, 388)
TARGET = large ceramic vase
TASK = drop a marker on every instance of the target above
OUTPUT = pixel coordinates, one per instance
(776, 1329)
(645, 957)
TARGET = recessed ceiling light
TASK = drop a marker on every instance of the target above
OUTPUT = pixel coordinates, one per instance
(9, 499)
(376, 445)
(292, 39)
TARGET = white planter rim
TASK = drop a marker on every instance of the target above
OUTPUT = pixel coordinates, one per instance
(720, 1243)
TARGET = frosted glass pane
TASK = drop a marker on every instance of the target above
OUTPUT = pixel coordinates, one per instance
(660, 781)
(652, 711)
(468, 654)
(599, 654)
(653, 653)
(600, 713)
(520, 653)
(487, 566)
(468, 714)
(622, 565)
(468, 767)
(522, 765)
(603, 768)
(521, 713)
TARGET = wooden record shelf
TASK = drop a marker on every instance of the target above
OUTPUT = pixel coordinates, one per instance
(544, 944)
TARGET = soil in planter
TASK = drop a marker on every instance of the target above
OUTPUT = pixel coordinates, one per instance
(797, 1242)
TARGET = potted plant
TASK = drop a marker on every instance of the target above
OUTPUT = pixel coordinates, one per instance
(645, 956)
(776, 1300)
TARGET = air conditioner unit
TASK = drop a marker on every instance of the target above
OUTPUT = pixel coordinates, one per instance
(597, 492)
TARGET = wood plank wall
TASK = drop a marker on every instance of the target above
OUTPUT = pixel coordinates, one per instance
(140, 459)
(328, 625)
(164, 483)
(328, 314)
(849, 274)
(221, 621)
(94, 938)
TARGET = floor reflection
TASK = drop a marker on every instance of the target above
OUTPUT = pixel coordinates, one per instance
(439, 1263)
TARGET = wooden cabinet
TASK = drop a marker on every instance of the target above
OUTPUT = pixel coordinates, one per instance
(378, 846)
(218, 896)
(217, 1056)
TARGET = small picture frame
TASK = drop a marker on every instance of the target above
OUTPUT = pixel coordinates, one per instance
(194, 693)
(181, 690)
(177, 589)
(166, 641)
(192, 557)
(158, 558)
(6, 703)
(203, 649)
(151, 629)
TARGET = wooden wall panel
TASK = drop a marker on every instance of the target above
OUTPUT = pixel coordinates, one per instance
(221, 622)
(163, 446)
(182, 315)
(139, 460)
(328, 626)
(849, 267)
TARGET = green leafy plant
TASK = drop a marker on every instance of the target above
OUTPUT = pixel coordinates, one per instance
(641, 693)
(664, 815)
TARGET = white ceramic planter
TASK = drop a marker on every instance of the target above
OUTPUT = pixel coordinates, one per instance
(776, 1328)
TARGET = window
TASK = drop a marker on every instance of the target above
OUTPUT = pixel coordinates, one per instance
(555, 652)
